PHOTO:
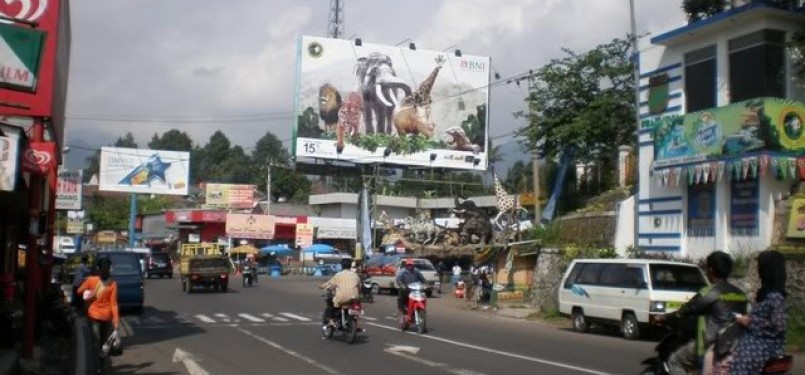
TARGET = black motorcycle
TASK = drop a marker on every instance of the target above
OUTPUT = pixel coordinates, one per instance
(366, 293)
(680, 332)
(249, 275)
(346, 319)
(57, 309)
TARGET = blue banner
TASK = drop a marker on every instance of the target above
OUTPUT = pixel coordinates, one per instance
(701, 210)
(744, 207)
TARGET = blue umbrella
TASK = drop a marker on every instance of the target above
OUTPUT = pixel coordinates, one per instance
(276, 250)
(319, 248)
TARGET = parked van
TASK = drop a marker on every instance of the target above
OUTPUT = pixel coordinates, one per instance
(626, 292)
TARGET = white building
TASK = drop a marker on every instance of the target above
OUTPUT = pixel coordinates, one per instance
(721, 136)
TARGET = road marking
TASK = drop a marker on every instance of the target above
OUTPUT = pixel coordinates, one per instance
(409, 352)
(369, 318)
(205, 318)
(297, 317)
(154, 320)
(251, 318)
(189, 362)
(223, 317)
(310, 361)
(278, 318)
(498, 352)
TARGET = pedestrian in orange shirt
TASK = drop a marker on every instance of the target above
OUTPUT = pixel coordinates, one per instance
(100, 292)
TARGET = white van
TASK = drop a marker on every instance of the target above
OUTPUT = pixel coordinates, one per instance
(626, 292)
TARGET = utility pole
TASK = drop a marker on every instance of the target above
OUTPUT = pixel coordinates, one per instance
(268, 188)
(637, 119)
(336, 27)
(535, 162)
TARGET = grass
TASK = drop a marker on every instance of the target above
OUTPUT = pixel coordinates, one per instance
(551, 317)
(795, 330)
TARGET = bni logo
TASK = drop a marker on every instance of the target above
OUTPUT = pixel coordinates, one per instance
(474, 66)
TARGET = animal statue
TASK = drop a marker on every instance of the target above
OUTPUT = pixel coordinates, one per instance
(423, 226)
(475, 226)
(379, 86)
(413, 116)
(506, 205)
(349, 119)
(329, 104)
(460, 140)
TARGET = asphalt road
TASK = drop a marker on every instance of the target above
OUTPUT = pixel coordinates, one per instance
(275, 328)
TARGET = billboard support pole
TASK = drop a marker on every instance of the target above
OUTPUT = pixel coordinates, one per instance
(132, 218)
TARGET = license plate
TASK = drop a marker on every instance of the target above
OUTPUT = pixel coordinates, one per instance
(673, 305)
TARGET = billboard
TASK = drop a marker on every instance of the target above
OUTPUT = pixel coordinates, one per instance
(381, 104)
(250, 226)
(20, 51)
(75, 222)
(131, 170)
(230, 196)
(68, 190)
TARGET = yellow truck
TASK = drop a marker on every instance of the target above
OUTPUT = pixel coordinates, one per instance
(203, 265)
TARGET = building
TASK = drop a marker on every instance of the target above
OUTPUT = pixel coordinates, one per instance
(720, 140)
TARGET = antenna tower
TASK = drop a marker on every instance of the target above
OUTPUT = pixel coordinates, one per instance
(335, 28)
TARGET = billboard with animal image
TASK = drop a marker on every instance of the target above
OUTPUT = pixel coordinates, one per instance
(133, 170)
(372, 103)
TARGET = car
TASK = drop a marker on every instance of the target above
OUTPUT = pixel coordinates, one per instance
(159, 264)
(383, 269)
(628, 293)
(128, 275)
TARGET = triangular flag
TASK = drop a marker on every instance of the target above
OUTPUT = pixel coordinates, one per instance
(764, 164)
(698, 170)
(665, 177)
(801, 164)
(720, 171)
(792, 167)
(745, 169)
(706, 172)
(783, 169)
(677, 176)
(690, 175)
(753, 166)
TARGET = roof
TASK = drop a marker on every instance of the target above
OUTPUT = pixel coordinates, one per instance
(635, 261)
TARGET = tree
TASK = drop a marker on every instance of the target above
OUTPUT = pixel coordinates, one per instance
(109, 213)
(584, 100)
(171, 140)
(212, 157)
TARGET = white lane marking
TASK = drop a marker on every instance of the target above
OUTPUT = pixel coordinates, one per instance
(223, 317)
(205, 318)
(182, 319)
(126, 328)
(154, 320)
(251, 318)
(278, 318)
(309, 361)
(369, 318)
(409, 352)
(498, 352)
(297, 317)
(189, 362)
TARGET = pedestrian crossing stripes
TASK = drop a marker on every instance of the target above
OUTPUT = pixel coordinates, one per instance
(254, 318)
(294, 316)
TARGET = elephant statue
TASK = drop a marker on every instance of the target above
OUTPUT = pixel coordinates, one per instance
(380, 87)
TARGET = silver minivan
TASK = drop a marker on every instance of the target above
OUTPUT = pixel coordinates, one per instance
(627, 293)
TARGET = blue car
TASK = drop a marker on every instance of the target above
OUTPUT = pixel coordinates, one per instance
(127, 273)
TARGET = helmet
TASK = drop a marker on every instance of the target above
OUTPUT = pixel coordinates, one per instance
(409, 262)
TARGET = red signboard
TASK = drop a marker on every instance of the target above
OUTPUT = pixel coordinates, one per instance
(39, 157)
(195, 216)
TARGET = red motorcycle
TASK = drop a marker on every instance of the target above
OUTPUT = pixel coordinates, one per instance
(415, 310)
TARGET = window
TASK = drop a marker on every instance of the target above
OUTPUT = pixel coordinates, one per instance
(612, 275)
(757, 65)
(590, 273)
(574, 274)
(676, 278)
(700, 79)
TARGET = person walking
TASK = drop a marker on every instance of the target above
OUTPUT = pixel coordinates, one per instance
(81, 273)
(101, 293)
(456, 274)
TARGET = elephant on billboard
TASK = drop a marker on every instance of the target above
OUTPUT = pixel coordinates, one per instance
(380, 87)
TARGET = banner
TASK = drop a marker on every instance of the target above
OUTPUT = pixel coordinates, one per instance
(75, 222)
(130, 170)
(744, 207)
(701, 210)
(250, 226)
(230, 196)
(20, 54)
(39, 157)
(9, 157)
(304, 235)
(68, 190)
(796, 219)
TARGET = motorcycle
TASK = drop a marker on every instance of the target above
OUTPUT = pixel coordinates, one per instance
(57, 309)
(414, 313)
(680, 333)
(346, 319)
(248, 276)
(366, 290)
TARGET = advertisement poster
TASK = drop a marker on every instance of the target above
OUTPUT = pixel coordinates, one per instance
(9, 157)
(250, 226)
(701, 210)
(75, 222)
(744, 207)
(766, 123)
(304, 235)
(130, 170)
(796, 219)
(230, 196)
(372, 103)
(68, 190)
(20, 54)
(39, 157)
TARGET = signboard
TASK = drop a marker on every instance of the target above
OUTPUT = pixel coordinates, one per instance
(39, 157)
(75, 222)
(230, 196)
(9, 157)
(766, 123)
(68, 190)
(701, 210)
(744, 207)
(132, 170)
(383, 104)
(796, 219)
(250, 226)
(20, 54)
(333, 233)
(304, 235)
(106, 237)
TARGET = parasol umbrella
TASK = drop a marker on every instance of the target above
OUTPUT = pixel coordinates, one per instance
(244, 249)
(276, 250)
(319, 248)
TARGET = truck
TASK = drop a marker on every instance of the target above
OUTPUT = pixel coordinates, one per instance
(203, 265)
(383, 268)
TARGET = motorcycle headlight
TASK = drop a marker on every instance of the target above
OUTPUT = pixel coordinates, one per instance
(657, 306)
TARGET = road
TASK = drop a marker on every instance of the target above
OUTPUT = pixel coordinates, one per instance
(275, 328)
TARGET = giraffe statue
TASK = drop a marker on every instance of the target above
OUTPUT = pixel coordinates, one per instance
(505, 203)
(413, 114)
(422, 96)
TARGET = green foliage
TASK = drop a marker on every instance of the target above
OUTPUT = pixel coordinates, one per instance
(109, 213)
(698, 9)
(171, 140)
(795, 329)
(573, 251)
(548, 234)
(400, 145)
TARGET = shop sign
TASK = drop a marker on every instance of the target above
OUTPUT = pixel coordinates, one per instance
(304, 235)
(75, 222)
(8, 161)
(230, 196)
(334, 233)
(39, 157)
(744, 207)
(20, 54)
(68, 190)
(796, 219)
(250, 226)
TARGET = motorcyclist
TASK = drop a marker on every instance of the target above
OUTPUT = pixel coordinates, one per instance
(252, 265)
(715, 306)
(406, 276)
(347, 285)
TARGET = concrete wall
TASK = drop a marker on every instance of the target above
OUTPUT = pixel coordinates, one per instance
(624, 230)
